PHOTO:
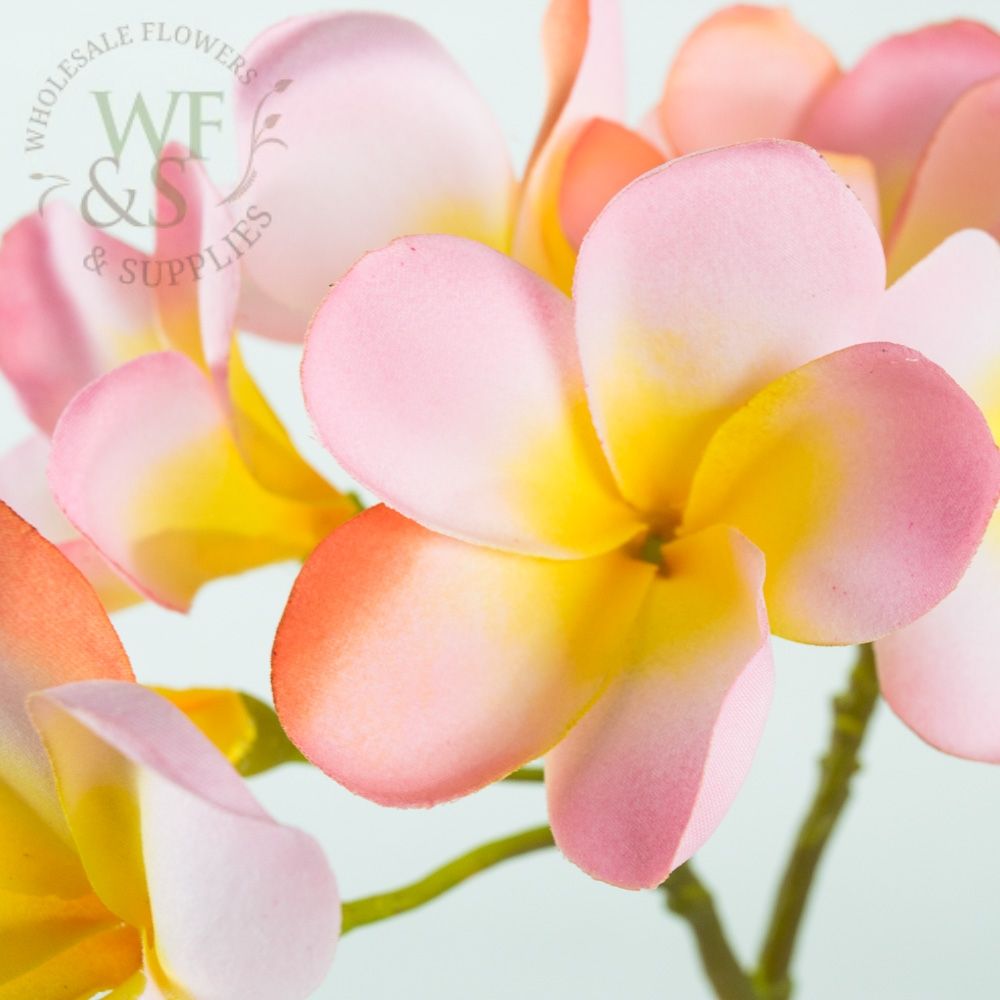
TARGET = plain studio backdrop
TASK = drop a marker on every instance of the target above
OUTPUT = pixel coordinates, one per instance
(907, 905)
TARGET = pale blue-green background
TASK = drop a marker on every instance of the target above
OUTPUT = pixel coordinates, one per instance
(908, 902)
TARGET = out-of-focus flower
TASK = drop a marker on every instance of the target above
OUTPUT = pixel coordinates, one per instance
(582, 498)
(170, 463)
(132, 857)
(386, 136)
(914, 127)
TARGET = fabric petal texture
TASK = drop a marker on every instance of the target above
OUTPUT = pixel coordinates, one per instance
(888, 106)
(349, 102)
(377, 684)
(867, 478)
(206, 905)
(645, 777)
(701, 282)
(744, 73)
(145, 466)
(444, 377)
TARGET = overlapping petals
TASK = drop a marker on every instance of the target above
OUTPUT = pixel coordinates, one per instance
(107, 878)
(385, 136)
(940, 673)
(715, 275)
(727, 312)
(889, 105)
(459, 399)
(218, 490)
(744, 73)
(373, 104)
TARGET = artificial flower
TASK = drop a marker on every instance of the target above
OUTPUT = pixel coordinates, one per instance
(597, 511)
(133, 859)
(171, 465)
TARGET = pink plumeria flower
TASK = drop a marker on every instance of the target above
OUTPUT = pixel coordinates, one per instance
(597, 511)
(168, 462)
(134, 857)
(387, 136)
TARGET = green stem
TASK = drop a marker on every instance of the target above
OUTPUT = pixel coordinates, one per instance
(526, 774)
(689, 899)
(852, 712)
(373, 908)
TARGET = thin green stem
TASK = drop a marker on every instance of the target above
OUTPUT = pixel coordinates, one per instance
(526, 774)
(690, 900)
(852, 712)
(388, 904)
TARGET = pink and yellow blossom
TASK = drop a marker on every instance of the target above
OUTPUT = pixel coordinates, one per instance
(597, 511)
(133, 859)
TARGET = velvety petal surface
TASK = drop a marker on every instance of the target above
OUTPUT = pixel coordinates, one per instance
(249, 911)
(955, 184)
(62, 325)
(414, 668)
(444, 377)
(888, 106)
(144, 464)
(367, 130)
(584, 54)
(646, 776)
(700, 283)
(866, 477)
(746, 72)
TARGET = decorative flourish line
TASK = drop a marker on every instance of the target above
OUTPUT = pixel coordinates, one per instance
(256, 142)
(63, 182)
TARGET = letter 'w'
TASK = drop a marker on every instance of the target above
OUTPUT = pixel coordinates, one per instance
(156, 139)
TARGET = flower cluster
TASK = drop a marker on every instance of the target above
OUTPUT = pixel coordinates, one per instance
(731, 373)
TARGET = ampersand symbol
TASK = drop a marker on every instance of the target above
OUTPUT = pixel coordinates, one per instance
(96, 187)
(94, 261)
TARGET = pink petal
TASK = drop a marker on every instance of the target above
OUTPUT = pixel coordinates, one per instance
(605, 157)
(44, 600)
(413, 668)
(145, 465)
(444, 377)
(648, 774)
(584, 53)
(237, 905)
(744, 73)
(941, 674)
(198, 274)
(867, 479)
(700, 283)
(62, 324)
(24, 486)
(889, 105)
(384, 136)
(948, 308)
(955, 184)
